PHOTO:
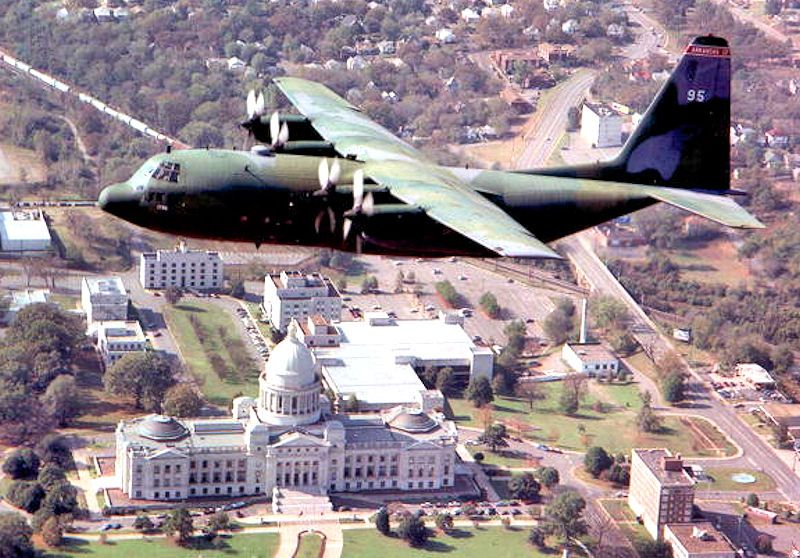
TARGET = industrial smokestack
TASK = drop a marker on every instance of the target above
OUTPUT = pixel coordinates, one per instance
(584, 326)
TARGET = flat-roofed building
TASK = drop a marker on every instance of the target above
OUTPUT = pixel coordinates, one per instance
(21, 299)
(378, 360)
(200, 270)
(661, 490)
(601, 125)
(755, 375)
(117, 338)
(316, 331)
(24, 231)
(104, 299)
(291, 294)
(697, 540)
(592, 359)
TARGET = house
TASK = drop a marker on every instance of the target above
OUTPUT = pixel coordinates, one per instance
(601, 125)
(516, 101)
(103, 14)
(550, 52)
(772, 160)
(389, 96)
(506, 10)
(356, 63)
(469, 15)
(777, 137)
(551, 5)
(236, 64)
(570, 26)
(615, 30)
(445, 36)
(367, 48)
(387, 47)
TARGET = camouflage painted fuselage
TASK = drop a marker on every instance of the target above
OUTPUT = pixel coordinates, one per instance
(273, 199)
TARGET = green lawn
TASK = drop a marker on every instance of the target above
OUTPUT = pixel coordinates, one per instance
(205, 334)
(368, 543)
(310, 546)
(612, 424)
(245, 546)
(723, 481)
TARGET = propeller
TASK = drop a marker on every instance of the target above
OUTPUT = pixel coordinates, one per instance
(328, 176)
(277, 131)
(251, 104)
(362, 205)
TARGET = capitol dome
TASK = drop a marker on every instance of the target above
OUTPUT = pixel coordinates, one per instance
(289, 387)
(290, 364)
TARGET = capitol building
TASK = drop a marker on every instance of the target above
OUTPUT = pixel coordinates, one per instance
(287, 438)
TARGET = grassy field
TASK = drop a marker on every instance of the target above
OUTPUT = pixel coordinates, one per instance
(716, 262)
(245, 546)
(368, 543)
(643, 364)
(607, 418)
(310, 546)
(722, 481)
(210, 345)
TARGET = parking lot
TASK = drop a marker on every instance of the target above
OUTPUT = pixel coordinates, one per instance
(253, 333)
(517, 301)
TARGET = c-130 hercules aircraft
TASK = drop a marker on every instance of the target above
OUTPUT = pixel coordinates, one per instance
(331, 177)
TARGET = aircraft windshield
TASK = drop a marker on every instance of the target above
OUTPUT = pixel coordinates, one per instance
(167, 171)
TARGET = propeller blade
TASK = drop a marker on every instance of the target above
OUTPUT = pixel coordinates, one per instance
(335, 173)
(348, 224)
(358, 189)
(368, 204)
(283, 135)
(251, 104)
(323, 173)
(260, 103)
(332, 220)
(274, 127)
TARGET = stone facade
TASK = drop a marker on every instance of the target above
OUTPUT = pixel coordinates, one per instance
(285, 438)
(183, 268)
(294, 295)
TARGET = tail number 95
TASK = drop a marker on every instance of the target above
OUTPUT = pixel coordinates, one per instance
(696, 95)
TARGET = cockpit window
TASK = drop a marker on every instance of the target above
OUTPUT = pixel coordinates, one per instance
(167, 171)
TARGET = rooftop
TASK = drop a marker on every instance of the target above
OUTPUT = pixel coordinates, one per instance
(698, 538)
(105, 285)
(23, 225)
(666, 467)
(121, 330)
(592, 351)
(20, 299)
(601, 109)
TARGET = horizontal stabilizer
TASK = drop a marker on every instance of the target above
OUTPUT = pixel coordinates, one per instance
(718, 208)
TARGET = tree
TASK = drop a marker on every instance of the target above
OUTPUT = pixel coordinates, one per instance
(369, 284)
(596, 461)
(53, 532)
(412, 530)
(573, 119)
(382, 521)
(763, 544)
(564, 515)
(548, 476)
(537, 537)
(557, 326)
(179, 524)
(182, 400)
(15, 537)
(50, 475)
(752, 500)
(773, 7)
(494, 436)
(23, 463)
(61, 399)
(673, 386)
(398, 282)
(446, 381)
(568, 402)
(653, 549)
(220, 521)
(173, 295)
(61, 498)
(25, 495)
(143, 377)
(489, 304)
(443, 521)
(479, 391)
(531, 391)
(525, 487)
(619, 475)
(646, 418)
(237, 289)
(143, 523)
(55, 448)
(351, 406)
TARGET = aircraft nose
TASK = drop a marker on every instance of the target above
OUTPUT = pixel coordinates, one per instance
(117, 195)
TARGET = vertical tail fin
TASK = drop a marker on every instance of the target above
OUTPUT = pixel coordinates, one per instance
(683, 139)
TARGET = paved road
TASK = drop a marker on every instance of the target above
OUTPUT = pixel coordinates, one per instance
(756, 21)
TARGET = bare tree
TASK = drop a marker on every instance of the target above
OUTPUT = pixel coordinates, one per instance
(530, 391)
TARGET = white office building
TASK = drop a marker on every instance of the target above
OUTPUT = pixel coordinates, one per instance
(285, 440)
(292, 294)
(24, 231)
(117, 338)
(183, 268)
(378, 360)
(592, 359)
(601, 125)
(103, 299)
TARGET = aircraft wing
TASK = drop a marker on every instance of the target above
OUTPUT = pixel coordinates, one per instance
(447, 200)
(715, 207)
(350, 131)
